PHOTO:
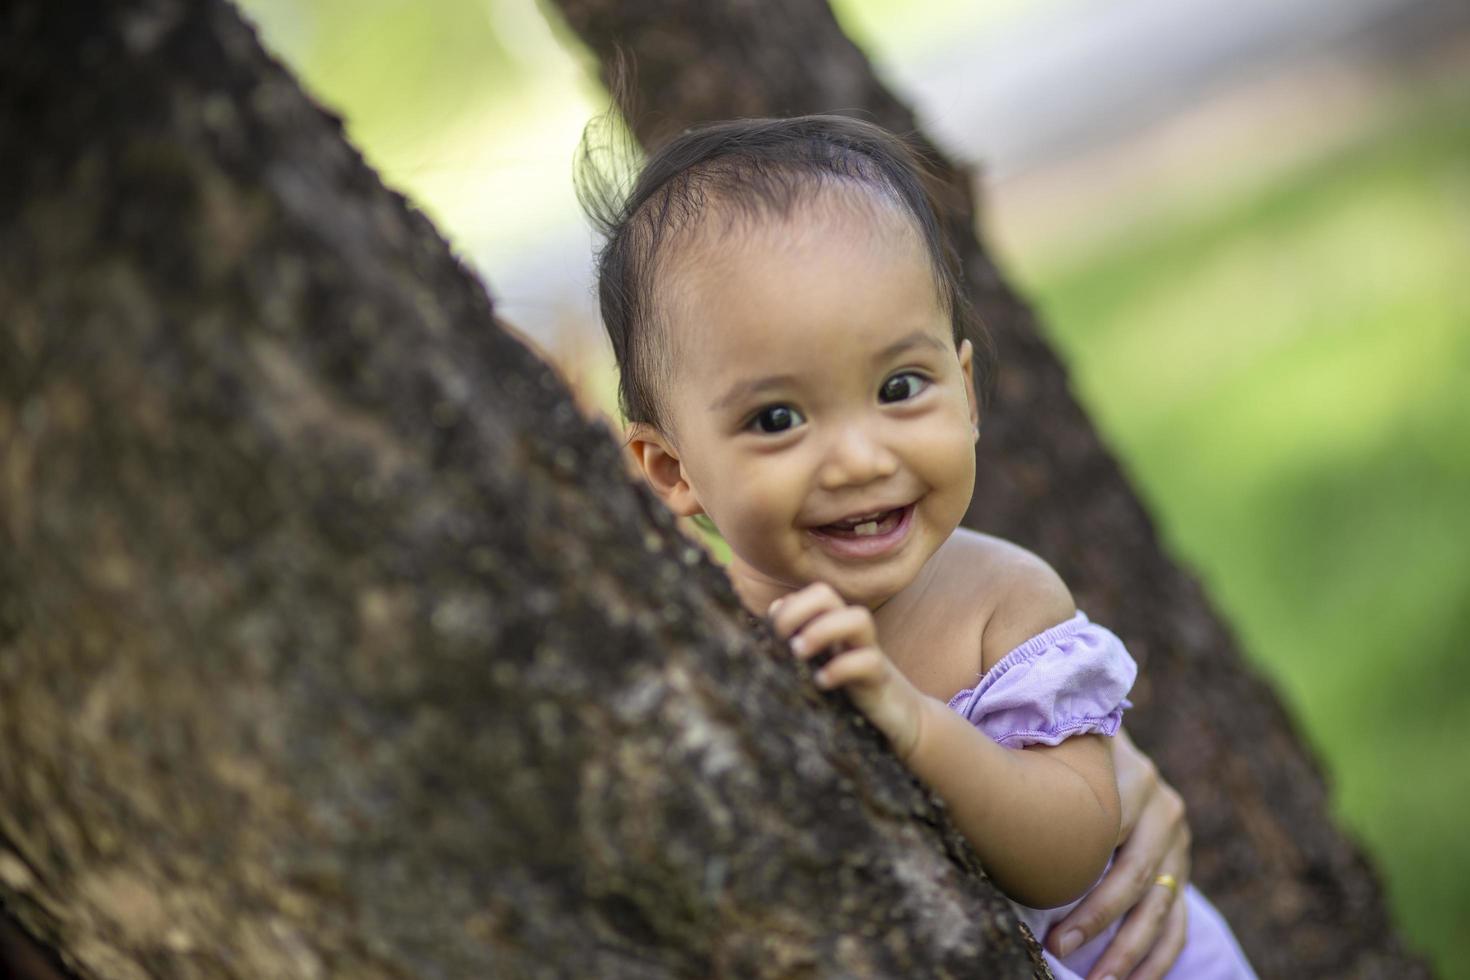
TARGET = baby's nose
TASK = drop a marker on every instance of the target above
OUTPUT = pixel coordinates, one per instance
(856, 456)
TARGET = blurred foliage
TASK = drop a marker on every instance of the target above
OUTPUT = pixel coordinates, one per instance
(1286, 376)
(895, 28)
(470, 107)
(400, 72)
(473, 107)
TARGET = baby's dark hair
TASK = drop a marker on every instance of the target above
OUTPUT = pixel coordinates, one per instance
(750, 168)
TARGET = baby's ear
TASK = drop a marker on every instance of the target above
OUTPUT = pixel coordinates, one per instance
(658, 460)
(967, 367)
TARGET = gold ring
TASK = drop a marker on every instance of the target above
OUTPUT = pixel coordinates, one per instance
(1168, 881)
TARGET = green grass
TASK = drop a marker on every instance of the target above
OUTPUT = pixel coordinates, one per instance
(1287, 377)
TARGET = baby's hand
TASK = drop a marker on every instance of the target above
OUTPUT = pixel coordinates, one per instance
(816, 619)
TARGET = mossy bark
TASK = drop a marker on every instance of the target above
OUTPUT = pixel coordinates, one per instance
(1300, 895)
(333, 641)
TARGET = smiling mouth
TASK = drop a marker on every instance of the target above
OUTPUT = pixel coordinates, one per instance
(863, 536)
(865, 525)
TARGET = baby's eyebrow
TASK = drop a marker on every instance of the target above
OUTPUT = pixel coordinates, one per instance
(746, 389)
(919, 338)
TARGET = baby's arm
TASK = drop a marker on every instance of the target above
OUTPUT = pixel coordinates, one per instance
(1042, 819)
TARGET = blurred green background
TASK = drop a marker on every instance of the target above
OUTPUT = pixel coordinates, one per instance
(1255, 259)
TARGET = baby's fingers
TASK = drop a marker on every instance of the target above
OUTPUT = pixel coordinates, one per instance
(790, 613)
(843, 629)
(862, 666)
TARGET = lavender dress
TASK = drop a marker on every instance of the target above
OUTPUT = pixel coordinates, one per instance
(1073, 680)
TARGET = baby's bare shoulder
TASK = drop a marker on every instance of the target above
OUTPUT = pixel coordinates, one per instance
(1024, 595)
(994, 563)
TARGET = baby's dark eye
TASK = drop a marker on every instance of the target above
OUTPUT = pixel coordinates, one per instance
(776, 418)
(901, 387)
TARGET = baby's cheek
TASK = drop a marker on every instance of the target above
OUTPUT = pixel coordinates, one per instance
(758, 523)
(953, 461)
(763, 513)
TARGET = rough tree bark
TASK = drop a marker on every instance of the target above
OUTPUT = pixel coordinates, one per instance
(1300, 895)
(333, 641)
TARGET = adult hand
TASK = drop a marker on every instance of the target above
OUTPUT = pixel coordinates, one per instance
(1154, 842)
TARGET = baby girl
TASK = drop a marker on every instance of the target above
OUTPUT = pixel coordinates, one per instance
(792, 340)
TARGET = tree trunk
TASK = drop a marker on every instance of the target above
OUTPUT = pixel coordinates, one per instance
(333, 641)
(1300, 895)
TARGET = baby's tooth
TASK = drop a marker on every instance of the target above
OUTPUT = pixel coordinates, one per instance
(871, 527)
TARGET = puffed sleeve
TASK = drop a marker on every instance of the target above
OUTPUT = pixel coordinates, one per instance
(1072, 679)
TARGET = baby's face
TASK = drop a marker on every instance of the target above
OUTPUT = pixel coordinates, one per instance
(820, 412)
